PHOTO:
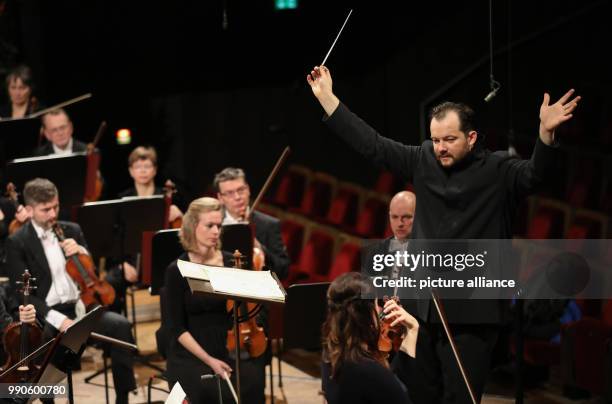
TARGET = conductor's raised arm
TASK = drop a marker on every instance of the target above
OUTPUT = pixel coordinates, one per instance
(320, 81)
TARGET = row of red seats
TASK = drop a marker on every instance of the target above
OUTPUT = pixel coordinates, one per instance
(320, 197)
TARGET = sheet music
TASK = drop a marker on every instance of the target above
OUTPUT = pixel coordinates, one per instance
(177, 395)
(194, 271)
(246, 283)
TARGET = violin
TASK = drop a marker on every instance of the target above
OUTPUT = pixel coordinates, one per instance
(20, 339)
(93, 179)
(252, 337)
(82, 270)
(11, 193)
(169, 190)
(390, 338)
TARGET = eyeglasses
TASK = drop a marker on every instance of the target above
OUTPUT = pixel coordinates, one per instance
(59, 129)
(239, 191)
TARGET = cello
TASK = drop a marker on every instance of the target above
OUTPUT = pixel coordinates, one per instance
(19, 338)
(169, 190)
(82, 270)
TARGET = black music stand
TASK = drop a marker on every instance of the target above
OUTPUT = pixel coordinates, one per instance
(114, 229)
(165, 248)
(65, 354)
(239, 237)
(18, 138)
(302, 322)
(68, 173)
(199, 286)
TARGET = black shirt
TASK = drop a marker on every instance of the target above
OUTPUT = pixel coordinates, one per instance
(364, 382)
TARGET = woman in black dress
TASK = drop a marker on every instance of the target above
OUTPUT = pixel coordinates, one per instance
(199, 325)
(354, 370)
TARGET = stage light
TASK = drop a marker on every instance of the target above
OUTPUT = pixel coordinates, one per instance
(124, 136)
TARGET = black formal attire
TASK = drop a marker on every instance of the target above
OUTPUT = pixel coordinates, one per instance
(25, 250)
(363, 382)
(47, 148)
(8, 209)
(476, 198)
(207, 320)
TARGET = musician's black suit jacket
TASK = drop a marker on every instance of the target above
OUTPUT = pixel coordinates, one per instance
(47, 148)
(25, 250)
(268, 232)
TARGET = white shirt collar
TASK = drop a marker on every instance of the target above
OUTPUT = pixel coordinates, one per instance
(40, 232)
(68, 149)
(229, 219)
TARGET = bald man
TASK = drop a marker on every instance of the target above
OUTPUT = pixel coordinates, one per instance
(401, 215)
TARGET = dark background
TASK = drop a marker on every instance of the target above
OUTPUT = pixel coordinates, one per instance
(209, 96)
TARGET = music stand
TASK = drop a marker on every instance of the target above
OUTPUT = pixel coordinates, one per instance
(238, 236)
(68, 173)
(65, 354)
(114, 228)
(164, 248)
(202, 287)
(18, 137)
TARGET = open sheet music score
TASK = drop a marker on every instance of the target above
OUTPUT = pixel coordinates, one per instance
(260, 285)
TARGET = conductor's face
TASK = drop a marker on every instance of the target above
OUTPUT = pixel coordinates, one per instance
(235, 195)
(450, 144)
(57, 129)
(208, 229)
(45, 214)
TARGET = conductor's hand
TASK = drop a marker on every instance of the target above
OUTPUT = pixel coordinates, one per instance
(65, 324)
(71, 247)
(27, 314)
(320, 82)
(551, 116)
(219, 367)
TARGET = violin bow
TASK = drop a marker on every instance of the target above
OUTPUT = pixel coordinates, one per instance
(442, 314)
(266, 185)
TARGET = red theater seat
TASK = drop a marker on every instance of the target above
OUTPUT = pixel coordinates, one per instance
(293, 237)
(343, 209)
(291, 187)
(348, 259)
(372, 219)
(317, 198)
(315, 260)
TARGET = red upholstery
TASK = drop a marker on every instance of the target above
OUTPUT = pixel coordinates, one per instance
(343, 209)
(348, 259)
(316, 200)
(372, 219)
(547, 223)
(385, 184)
(290, 189)
(293, 237)
(315, 260)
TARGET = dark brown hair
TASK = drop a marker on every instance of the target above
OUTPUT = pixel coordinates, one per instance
(464, 112)
(143, 153)
(351, 330)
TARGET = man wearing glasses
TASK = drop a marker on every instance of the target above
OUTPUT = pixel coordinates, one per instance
(57, 128)
(234, 193)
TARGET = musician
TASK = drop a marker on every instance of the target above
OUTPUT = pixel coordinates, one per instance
(36, 247)
(234, 193)
(20, 86)
(464, 191)
(27, 314)
(199, 325)
(58, 129)
(142, 165)
(354, 370)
